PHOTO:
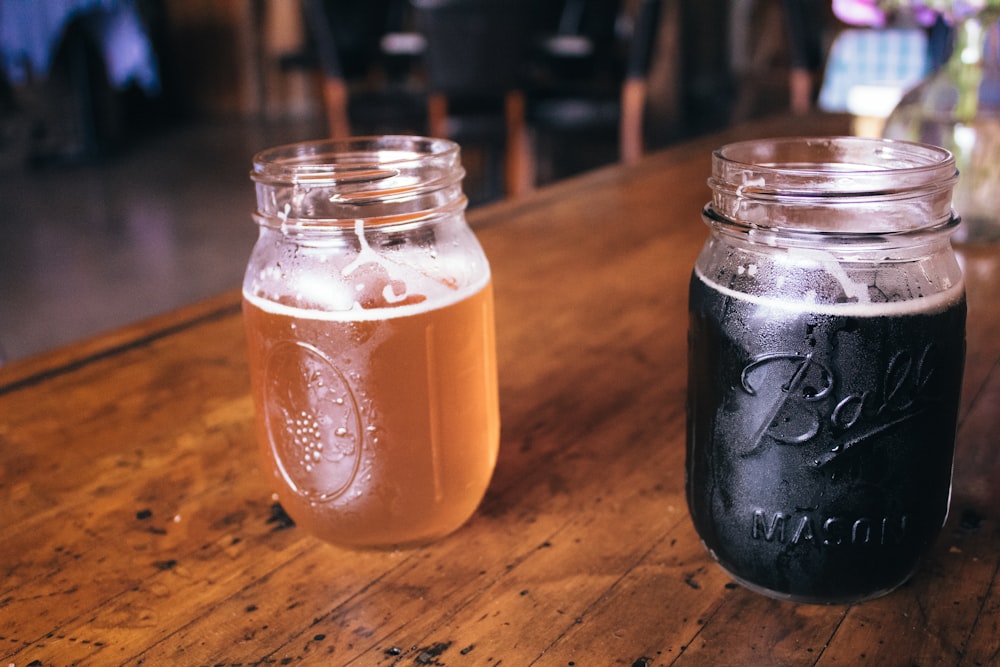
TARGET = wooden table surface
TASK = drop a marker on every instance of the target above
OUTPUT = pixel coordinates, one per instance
(137, 527)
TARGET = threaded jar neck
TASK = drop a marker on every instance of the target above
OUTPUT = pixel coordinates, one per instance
(846, 189)
(383, 180)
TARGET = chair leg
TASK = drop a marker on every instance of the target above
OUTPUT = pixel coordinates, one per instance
(519, 166)
(335, 100)
(630, 143)
(437, 115)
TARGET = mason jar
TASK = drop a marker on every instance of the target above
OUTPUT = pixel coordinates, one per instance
(826, 351)
(368, 309)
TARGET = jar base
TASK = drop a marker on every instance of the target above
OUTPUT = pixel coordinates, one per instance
(807, 599)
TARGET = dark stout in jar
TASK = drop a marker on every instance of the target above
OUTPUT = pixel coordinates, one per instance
(824, 372)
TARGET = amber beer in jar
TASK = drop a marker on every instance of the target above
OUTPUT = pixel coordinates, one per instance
(826, 350)
(368, 308)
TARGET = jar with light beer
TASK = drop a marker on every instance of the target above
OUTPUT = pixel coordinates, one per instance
(826, 352)
(368, 309)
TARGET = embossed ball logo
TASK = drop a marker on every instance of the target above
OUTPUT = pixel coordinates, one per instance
(802, 401)
(313, 422)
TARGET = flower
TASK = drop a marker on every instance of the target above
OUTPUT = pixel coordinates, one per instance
(877, 13)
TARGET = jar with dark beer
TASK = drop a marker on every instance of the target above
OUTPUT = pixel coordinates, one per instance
(368, 309)
(826, 351)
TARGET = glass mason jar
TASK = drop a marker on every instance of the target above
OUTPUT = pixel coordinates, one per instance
(826, 351)
(368, 308)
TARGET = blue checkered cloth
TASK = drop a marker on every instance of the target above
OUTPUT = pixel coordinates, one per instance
(894, 57)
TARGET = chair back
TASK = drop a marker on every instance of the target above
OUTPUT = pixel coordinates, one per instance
(346, 33)
(347, 38)
(643, 41)
(598, 83)
(475, 48)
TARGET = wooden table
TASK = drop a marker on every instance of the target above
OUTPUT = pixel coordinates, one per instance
(138, 529)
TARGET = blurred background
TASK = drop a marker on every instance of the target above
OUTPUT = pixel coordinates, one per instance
(127, 128)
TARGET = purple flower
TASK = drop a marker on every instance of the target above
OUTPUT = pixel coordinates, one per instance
(877, 13)
(860, 12)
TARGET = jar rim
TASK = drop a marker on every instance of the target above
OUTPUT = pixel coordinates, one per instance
(831, 166)
(833, 186)
(362, 159)
(383, 179)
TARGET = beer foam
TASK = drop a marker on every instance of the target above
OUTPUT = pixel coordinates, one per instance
(366, 284)
(394, 282)
(866, 308)
(366, 255)
(443, 297)
(833, 268)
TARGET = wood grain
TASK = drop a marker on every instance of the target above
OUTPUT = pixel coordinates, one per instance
(137, 527)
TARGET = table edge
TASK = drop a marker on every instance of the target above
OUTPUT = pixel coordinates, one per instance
(30, 371)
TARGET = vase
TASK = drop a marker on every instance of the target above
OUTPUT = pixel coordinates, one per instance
(958, 108)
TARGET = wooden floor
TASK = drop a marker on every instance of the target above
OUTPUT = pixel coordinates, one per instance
(89, 247)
